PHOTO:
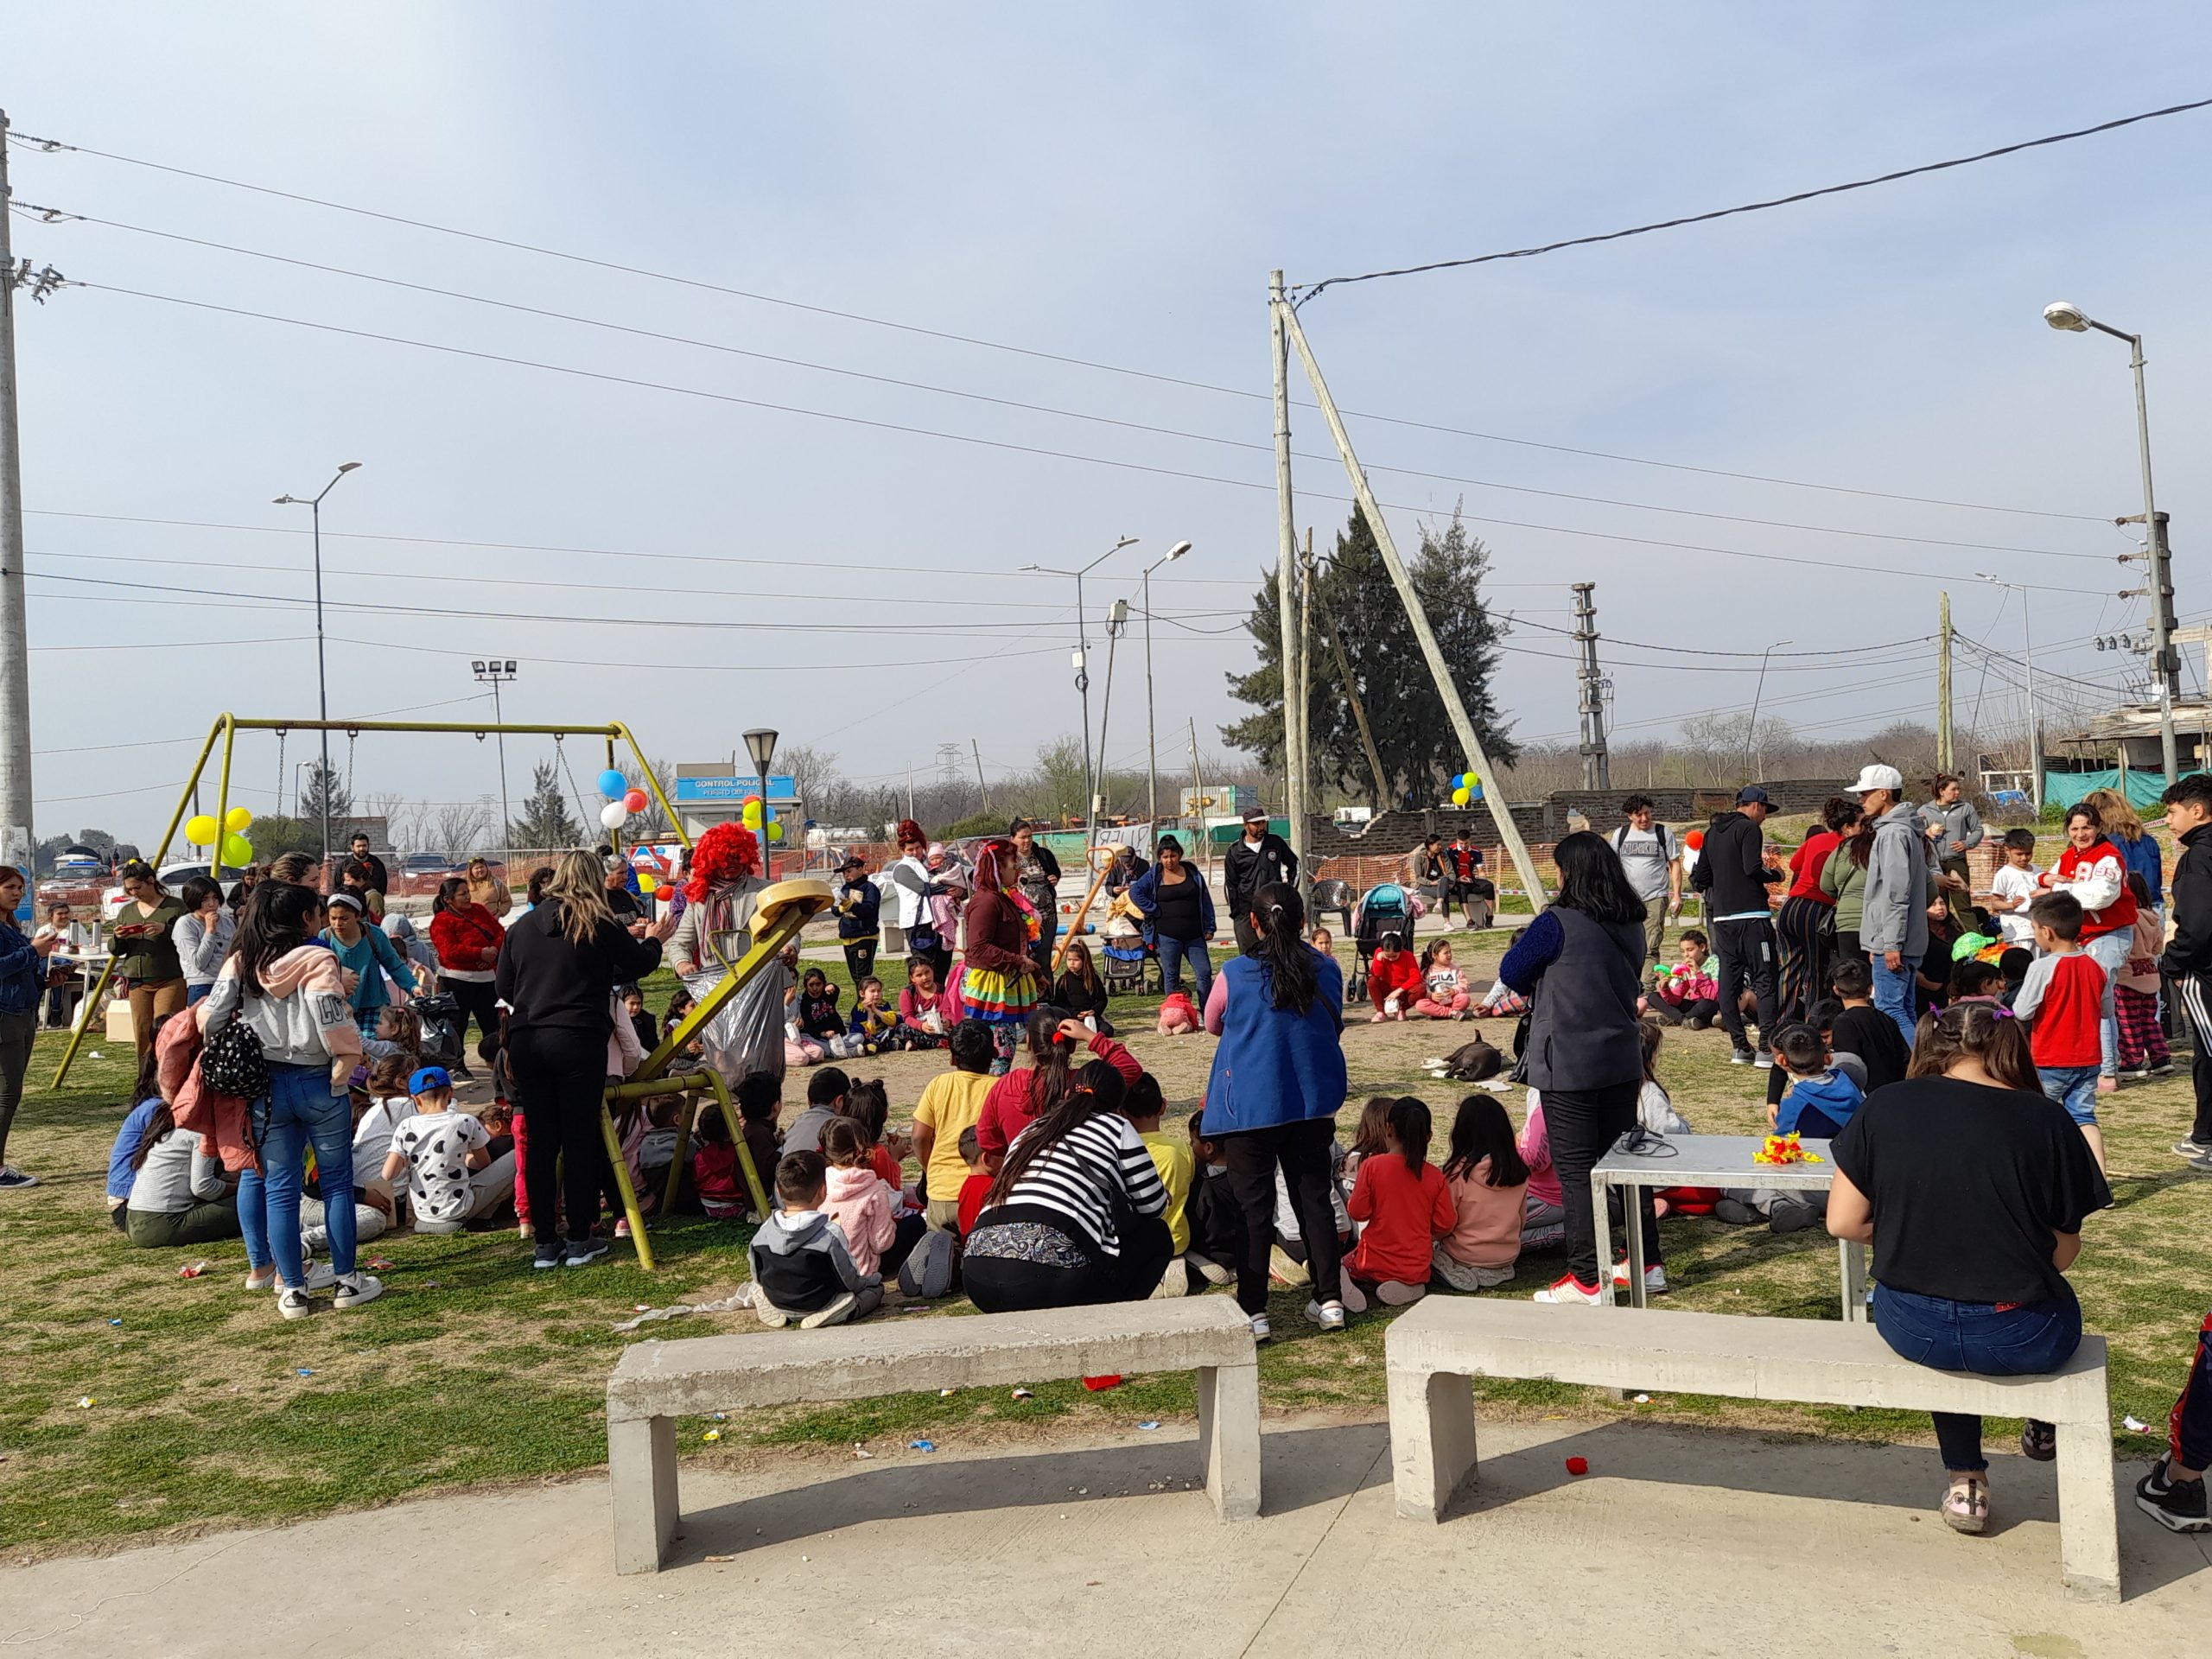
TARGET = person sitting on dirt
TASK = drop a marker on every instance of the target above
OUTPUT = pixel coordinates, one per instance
(803, 1266)
(1394, 980)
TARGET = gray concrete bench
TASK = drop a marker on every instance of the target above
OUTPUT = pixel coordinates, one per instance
(1436, 1347)
(658, 1382)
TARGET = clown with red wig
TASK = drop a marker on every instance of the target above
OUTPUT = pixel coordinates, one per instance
(713, 934)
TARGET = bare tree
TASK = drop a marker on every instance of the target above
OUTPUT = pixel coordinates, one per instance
(459, 827)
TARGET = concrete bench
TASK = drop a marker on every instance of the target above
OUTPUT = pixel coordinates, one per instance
(658, 1382)
(1436, 1347)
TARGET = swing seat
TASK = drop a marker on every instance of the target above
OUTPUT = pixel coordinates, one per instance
(799, 893)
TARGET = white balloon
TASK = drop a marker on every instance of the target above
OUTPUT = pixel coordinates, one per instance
(613, 814)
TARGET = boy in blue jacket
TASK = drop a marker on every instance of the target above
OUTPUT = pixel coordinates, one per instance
(1820, 1099)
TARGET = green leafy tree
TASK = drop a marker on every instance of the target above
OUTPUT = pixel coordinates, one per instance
(544, 822)
(326, 786)
(1365, 619)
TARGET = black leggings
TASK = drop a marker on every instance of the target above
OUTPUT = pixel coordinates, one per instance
(1583, 1124)
(559, 1077)
(998, 1285)
(1302, 1149)
(478, 999)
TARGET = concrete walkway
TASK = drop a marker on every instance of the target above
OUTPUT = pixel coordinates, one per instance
(1678, 1542)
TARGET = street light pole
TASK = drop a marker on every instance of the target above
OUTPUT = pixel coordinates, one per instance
(2071, 319)
(313, 504)
(2028, 640)
(1751, 732)
(1083, 649)
(1152, 741)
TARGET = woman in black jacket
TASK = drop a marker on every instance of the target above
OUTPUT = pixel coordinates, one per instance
(1577, 963)
(557, 973)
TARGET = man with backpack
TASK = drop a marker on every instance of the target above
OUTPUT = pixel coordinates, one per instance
(1654, 861)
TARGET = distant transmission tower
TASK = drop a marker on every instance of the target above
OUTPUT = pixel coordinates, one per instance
(948, 759)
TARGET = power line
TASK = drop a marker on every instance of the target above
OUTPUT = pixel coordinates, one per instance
(47, 214)
(47, 145)
(1307, 290)
(1693, 651)
(994, 443)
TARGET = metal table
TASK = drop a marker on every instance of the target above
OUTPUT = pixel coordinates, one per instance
(1722, 1161)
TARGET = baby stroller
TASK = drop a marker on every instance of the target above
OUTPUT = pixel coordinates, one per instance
(1384, 908)
(1122, 954)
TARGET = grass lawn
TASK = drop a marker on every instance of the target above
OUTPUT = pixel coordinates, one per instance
(209, 1410)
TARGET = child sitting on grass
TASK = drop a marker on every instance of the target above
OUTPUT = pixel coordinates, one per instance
(1394, 980)
(451, 1179)
(1217, 1220)
(952, 1104)
(1179, 1015)
(803, 1268)
(1688, 992)
(1406, 1206)
(398, 1035)
(976, 1189)
(715, 1172)
(1975, 981)
(1444, 994)
(874, 1022)
(1370, 1135)
(1544, 1226)
(1144, 1106)
(858, 1200)
(1821, 1099)
(867, 1106)
(1488, 1188)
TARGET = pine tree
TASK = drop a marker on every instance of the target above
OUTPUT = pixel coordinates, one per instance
(326, 786)
(544, 823)
(1413, 734)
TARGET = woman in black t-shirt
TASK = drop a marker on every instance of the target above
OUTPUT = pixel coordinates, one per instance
(1973, 1186)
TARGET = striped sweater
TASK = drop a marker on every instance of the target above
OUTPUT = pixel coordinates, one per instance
(1073, 1184)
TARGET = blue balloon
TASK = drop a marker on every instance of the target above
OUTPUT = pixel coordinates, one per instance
(613, 783)
(1458, 780)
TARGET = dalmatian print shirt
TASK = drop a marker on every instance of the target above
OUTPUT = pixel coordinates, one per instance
(436, 1145)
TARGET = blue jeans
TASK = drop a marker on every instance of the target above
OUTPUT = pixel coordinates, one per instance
(2025, 1339)
(1174, 953)
(1894, 992)
(299, 1110)
(2074, 1087)
(196, 992)
(2109, 951)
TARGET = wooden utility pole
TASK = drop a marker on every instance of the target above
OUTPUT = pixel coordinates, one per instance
(1943, 683)
(976, 749)
(1294, 713)
(1447, 689)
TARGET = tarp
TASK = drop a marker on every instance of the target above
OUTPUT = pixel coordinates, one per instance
(2143, 788)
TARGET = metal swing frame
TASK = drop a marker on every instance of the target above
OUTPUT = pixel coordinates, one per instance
(652, 1077)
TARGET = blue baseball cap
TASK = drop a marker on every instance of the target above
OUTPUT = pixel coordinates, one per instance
(430, 1077)
(1752, 795)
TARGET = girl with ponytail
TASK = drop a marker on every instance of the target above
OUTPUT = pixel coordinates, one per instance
(1055, 1039)
(1278, 1083)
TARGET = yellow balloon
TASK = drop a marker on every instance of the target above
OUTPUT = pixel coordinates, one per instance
(751, 817)
(775, 832)
(1459, 797)
(647, 883)
(237, 851)
(236, 819)
(200, 831)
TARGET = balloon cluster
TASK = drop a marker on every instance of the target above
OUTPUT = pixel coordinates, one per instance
(759, 817)
(621, 800)
(202, 830)
(1465, 787)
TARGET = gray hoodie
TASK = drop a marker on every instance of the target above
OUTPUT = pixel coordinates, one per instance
(801, 1262)
(1959, 821)
(1898, 886)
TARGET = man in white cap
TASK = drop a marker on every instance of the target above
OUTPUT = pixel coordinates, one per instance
(1894, 930)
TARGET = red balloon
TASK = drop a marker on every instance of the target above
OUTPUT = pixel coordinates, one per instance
(1695, 840)
(635, 801)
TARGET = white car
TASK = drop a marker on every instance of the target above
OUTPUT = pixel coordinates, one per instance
(173, 877)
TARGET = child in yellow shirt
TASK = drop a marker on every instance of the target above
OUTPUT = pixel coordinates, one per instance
(1143, 1106)
(952, 1102)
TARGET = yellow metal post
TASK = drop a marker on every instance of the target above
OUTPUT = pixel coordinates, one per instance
(1097, 881)
(223, 806)
(653, 783)
(622, 1185)
(813, 898)
(223, 725)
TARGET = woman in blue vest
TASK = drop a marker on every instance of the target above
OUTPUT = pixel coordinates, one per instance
(1577, 963)
(1278, 1083)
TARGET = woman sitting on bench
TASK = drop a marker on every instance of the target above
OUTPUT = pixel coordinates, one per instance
(1971, 1267)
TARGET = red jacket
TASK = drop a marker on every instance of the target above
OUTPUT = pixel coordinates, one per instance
(1008, 1109)
(1402, 976)
(462, 935)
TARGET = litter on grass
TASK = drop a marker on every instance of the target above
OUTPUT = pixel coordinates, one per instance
(921, 1446)
(87, 1402)
(304, 1372)
(861, 1451)
(712, 1435)
(1578, 1466)
(1023, 1393)
(946, 1394)
(115, 1321)
(1643, 1399)
(192, 1272)
(647, 1315)
(1098, 1384)
(2135, 1427)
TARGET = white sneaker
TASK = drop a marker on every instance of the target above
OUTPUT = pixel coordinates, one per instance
(1655, 1278)
(1261, 1331)
(293, 1304)
(1209, 1269)
(357, 1287)
(1564, 1290)
(1329, 1316)
(320, 1274)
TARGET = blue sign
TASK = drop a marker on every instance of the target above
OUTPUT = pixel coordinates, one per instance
(701, 791)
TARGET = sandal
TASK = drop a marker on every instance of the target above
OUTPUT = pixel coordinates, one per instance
(1965, 1504)
(2039, 1441)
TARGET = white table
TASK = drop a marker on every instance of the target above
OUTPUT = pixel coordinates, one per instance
(1722, 1161)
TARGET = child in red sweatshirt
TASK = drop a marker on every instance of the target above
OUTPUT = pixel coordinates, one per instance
(2063, 994)
(1394, 980)
(1406, 1206)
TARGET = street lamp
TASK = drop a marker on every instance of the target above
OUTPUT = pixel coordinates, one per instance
(2028, 641)
(1751, 732)
(313, 504)
(1082, 646)
(760, 744)
(1150, 742)
(1117, 623)
(2071, 319)
(496, 671)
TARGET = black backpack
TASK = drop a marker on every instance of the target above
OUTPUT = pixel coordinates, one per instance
(232, 1063)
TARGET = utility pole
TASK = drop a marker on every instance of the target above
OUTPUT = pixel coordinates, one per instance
(1596, 769)
(1294, 712)
(1944, 682)
(2166, 661)
(1455, 705)
(1198, 797)
(15, 826)
(976, 749)
(1305, 699)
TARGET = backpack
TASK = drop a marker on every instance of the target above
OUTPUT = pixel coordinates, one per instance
(232, 1063)
(1668, 851)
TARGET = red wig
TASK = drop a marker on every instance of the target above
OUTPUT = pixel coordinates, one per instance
(727, 853)
(909, 830)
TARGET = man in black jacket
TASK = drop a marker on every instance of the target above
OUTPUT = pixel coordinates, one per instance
(2188, 958)
(1261, 858)
(1734, 870)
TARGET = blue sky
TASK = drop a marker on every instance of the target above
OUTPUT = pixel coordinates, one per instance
(1111, 187)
